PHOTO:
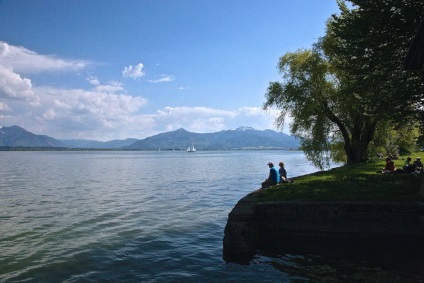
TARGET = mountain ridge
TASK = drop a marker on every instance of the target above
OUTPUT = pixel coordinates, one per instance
(240, 138)
(16, 136)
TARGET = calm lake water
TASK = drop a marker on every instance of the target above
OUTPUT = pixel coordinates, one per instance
(145, 217)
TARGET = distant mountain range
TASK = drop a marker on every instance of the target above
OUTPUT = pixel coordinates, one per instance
(16, 136)
(241, 138)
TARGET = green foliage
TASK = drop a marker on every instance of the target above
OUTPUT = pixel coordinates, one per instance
(323, 116)
(367, 45)
(391, 141)
(352, 86)
(338, 153)
(308, 86)
(357, 182)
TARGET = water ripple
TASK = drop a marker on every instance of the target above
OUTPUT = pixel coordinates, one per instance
(135, 217)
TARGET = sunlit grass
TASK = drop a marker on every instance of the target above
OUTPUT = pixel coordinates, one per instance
(358, 182)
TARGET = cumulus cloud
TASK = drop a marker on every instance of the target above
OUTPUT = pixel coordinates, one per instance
(163, 79)
(104, 116)
(98, 116)
(204, 119)
(22, 60)
(91, 114)
(93, 80)
(134, 72)
(108, 105)
(16, 61)
(101, 113)
(111, 87)
(12, 85)
(105, 110)
(256, 111)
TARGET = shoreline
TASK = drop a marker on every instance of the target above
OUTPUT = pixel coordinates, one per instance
(6, 148)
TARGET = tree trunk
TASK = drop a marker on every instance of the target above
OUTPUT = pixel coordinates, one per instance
(357, 148)
(356, 154)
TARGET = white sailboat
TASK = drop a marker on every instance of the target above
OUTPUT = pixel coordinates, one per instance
(191, 148)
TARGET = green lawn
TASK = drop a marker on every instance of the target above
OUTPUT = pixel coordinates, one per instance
(358, 182)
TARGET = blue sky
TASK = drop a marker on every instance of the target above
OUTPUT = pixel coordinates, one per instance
(103, 69)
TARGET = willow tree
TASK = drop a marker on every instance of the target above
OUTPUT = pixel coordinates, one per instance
(324, 118)
(340, 91)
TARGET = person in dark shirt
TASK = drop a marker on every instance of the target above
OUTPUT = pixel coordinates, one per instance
(418, 165)
(283, 173)
(273, 178)
(407, 166)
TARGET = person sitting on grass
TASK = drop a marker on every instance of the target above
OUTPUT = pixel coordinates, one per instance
(390, 166)
(418, 165)
(407, 166)
(273, 177)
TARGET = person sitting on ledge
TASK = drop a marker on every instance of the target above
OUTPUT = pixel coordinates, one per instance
(283, 173)
(273, 177)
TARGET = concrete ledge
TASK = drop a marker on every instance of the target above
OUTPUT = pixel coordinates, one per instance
(342, 217)
(241, 231)
(322, 224)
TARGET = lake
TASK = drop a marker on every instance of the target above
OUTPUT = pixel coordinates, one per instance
(138, 216)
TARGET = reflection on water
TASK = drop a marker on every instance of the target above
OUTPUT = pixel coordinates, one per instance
(144, 216)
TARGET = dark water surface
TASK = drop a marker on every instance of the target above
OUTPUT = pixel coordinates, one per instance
(146, 217)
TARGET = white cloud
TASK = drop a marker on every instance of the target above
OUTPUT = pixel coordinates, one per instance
(107, 105)
(80, 113)
(111, 87)
(204, 119)
(105, 116)
(49, 114)
(93, 80)
(133, 72)
(104, 112)
(12, 85)
(22, 60)
(163, 79)
(255, 111)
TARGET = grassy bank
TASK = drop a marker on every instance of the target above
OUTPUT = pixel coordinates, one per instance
(358, 182)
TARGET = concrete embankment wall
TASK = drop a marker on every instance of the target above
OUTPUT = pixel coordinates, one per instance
(318, 225)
